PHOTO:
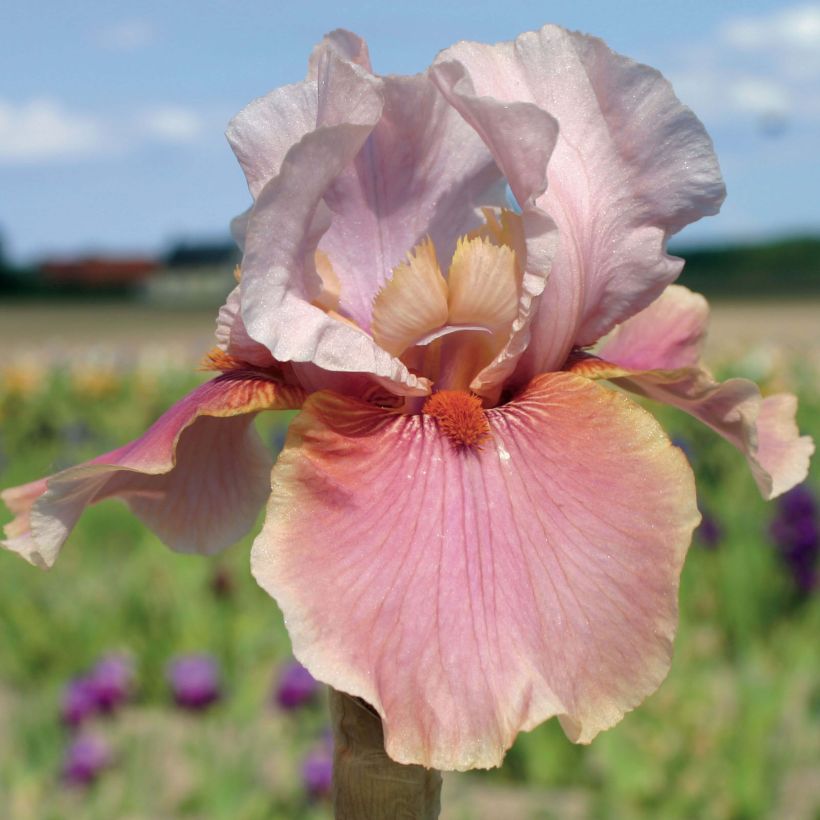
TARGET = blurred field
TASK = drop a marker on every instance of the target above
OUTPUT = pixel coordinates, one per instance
(736, 325)
(733, 733)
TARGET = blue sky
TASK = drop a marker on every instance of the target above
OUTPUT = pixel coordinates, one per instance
(112, 114)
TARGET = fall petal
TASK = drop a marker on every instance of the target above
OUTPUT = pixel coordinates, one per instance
(666, 335)
(735, 410)
(782, 453)
(197, 477)
(469, 594)
(656, 353)
(631, 166)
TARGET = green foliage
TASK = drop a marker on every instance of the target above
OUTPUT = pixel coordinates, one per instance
(733, 733)
(782, 268)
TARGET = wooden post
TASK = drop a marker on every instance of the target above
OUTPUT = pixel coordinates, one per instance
(367, 784)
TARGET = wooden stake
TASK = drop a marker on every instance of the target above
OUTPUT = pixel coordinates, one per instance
(367, 784)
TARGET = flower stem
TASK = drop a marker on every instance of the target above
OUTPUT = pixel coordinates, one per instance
(367, 784)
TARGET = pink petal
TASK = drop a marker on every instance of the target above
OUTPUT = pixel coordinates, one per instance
(279, 279)
(232, 336)
(469, 594)
(422, 172)
(631, 166)
(781, 460)
(521, 138)
(345, 44)
(197, 477)
(656, 353)
(666, 335)
(266, 129)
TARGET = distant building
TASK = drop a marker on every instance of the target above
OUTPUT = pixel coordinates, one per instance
(98, 272)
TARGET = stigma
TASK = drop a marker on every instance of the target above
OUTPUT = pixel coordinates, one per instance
(460, 416)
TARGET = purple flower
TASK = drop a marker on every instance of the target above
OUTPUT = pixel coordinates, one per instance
(798, 503)
(709, 531)
(195, 681)
(317, 772)
(796, 533)
(78, 703)
(111, 682)
(296, 686)
(85, 758)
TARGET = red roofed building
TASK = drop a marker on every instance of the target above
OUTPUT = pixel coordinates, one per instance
(99, 271)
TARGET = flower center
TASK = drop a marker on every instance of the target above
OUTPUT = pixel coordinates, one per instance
(448, 328)
(460, 416)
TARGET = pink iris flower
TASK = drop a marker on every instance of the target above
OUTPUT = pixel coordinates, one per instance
(466, 528)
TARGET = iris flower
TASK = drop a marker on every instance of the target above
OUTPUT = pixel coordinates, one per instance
(466, 528)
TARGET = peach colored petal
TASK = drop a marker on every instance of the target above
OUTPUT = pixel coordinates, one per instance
(346, 44)
(469, 594)
(197, 477)
(482, 286)
(412, 304)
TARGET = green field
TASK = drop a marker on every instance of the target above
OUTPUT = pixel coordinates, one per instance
(733, 733)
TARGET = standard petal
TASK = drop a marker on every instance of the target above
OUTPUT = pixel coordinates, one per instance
(279, 280)
(422, 172)
(521, 137)
(263, 132)
(631, 166)
(469, 594)
(197, 477)
(233, 338)
(346, 44)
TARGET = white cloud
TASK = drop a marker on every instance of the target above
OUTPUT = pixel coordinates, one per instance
(764, 67)
(171, 124)
(44, 130)
(127, 35)
(760, 96)
(795, 27)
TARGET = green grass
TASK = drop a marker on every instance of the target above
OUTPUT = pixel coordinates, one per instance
(734, 732)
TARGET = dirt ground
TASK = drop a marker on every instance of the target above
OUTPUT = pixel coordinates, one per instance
(131, 329)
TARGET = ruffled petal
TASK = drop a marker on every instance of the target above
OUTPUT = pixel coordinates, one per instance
(631, 166)
(232, 336)
(279, 279)
(345, 44)
(264, 131)
(422, 172)
(413, 303)
(521, 137)
(668, 334)
(469, 594)
(197, 477)
(656, 354)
